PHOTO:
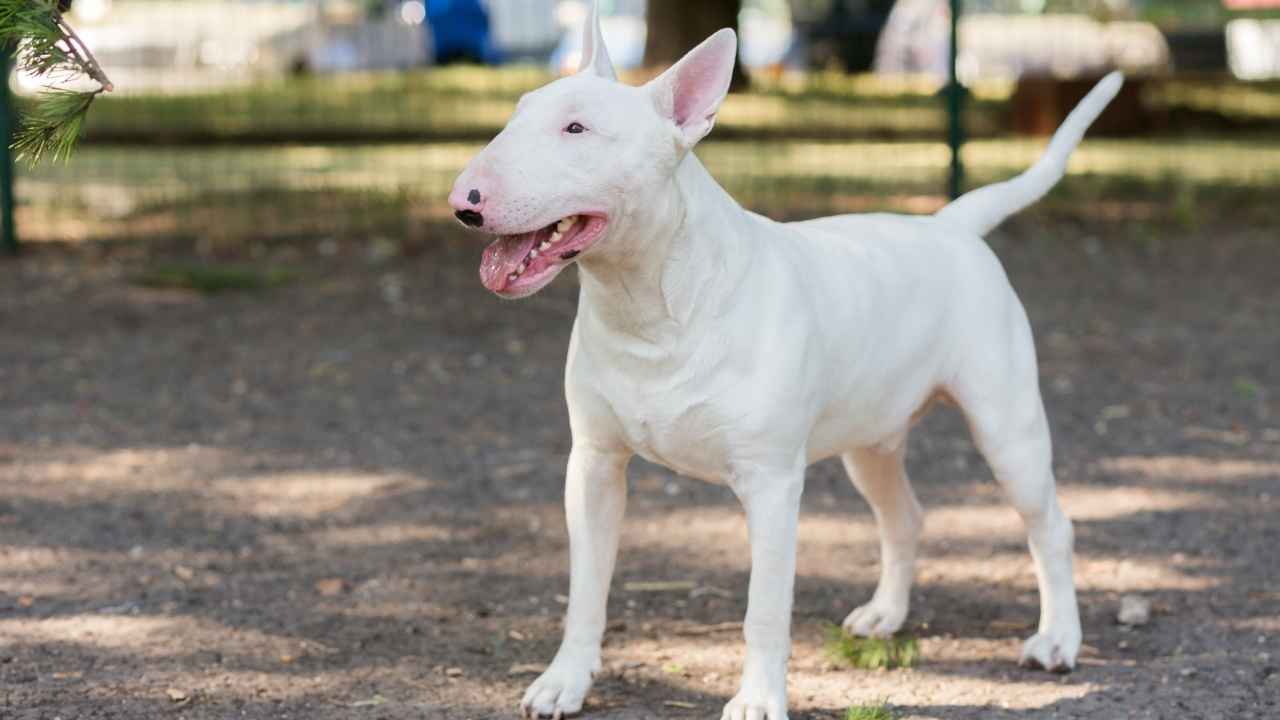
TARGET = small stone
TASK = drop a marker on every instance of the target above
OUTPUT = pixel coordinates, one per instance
(1134, 610)
(453, 672)
(330, 587)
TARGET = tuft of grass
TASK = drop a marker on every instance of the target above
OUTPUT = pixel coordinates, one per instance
(900, 651)
(1246, 388)
(210, 279)
(876, 711)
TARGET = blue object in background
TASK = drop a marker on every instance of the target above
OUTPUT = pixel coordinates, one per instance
(460, 31)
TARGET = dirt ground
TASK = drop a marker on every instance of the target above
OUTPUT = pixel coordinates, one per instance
(341, 499)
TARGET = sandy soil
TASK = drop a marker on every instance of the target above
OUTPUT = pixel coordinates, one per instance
(340, 499)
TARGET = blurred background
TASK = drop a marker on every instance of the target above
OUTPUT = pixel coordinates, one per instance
(239, 121)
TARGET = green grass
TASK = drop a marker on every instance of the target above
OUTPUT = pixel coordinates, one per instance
(475, 102)
(877, 711)
(211, 279)
(329, 190)
(902, 650)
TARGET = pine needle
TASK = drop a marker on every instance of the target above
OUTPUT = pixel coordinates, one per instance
(48, 47)
(51, 126)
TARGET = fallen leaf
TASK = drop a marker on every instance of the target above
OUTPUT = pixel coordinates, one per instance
(371, 702)
(331, 586)
(286, 659)
(453, 672)
(515, 635)
(67, 675)
(527, 669)
(710, 590)
(176, 695)
(26, 601)
(679, 704)
(708, 629)
(183, 572)
(660, 586)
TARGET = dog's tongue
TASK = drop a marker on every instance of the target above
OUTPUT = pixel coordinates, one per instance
(502, 257)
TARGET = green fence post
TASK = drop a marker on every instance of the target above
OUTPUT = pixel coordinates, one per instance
(8, 233)
(955, 102)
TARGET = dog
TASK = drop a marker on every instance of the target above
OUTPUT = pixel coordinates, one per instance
(739, 350)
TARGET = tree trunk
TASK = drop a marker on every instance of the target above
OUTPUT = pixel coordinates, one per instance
(677, 26)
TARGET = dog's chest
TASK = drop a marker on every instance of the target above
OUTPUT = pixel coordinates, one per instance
(692, 439)
(671, 416)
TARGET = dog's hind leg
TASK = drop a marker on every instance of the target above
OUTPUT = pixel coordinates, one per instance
(999, 393)
(879, 474)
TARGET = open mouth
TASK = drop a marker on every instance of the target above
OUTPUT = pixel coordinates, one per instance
(519, 265)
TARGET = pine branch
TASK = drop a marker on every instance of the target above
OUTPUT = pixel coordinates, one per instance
(52, 125)
(48, 47)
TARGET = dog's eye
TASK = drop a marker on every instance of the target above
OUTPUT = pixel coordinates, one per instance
(575, 128)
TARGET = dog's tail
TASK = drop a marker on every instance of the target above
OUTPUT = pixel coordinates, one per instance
(983, 209)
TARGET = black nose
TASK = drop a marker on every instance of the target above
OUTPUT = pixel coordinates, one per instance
(473, 197)
(470, 218)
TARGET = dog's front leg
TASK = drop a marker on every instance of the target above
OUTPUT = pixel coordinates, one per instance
(772, 502)
(594, 500)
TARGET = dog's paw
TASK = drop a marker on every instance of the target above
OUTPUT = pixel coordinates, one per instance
(558, 692)
(750, 704)
(1052, 651)
(876, 619)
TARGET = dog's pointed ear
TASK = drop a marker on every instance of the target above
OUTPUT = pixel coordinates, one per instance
(690, 92)
(595, 56)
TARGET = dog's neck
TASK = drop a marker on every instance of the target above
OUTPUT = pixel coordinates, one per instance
(681, 255)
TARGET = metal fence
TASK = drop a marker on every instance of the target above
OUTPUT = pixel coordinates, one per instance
(242, 120)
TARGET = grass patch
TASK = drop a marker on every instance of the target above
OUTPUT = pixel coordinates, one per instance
(210, 279)
(900, 651)
(227, 194)
(475, 103)
(877, 711)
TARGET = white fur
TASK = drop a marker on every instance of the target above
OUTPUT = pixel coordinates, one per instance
(736, 349)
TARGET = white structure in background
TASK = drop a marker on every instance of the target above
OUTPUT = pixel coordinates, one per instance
(1253, 48)
(765, 33)
(197, 45)
(339, 37)
(915, 40)
(524, 29)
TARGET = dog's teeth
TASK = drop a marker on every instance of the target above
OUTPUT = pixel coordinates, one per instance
(543, 246)
(555, 237)
(523, 264)
(513, 276)
(566, 223)
(533, 253)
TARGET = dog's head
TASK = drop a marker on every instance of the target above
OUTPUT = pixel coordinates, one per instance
(580, 156)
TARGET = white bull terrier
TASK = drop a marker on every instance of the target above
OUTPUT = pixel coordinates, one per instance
(735, 349)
